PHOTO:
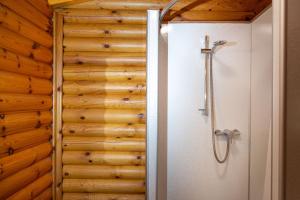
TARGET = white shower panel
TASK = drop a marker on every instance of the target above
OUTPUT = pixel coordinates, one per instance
(261, 107)
(193, 173)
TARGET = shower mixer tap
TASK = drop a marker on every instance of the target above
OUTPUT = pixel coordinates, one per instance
(230, 134)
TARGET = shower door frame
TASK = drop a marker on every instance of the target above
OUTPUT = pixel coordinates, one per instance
(279, 16)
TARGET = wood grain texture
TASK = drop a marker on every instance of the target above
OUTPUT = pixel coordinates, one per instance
(22, 84)
(104, 130)
(100, 16)
(103, 101)
(104, 185)
(24, 102)
(16, 23)
(34, 189)
(104, 44)
(16, 182)
(103, 73)
(72, 143)
(105, 58)
(11, 143)
(45, 195)
(24, 46)
(200, 10)
(102, 196)
(104, 30)
(25, 98)
(14, 163)
(103, 172)
(23, 65)
(104, 158)
(29, 12)
(12, 123)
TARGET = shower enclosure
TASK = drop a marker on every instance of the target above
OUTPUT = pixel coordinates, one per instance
(209, 110)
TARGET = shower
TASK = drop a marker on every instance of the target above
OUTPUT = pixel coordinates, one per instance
(228, 134)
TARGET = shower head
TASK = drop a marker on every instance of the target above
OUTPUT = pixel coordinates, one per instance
(218, 43)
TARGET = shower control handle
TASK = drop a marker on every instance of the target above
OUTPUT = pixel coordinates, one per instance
(230, 134)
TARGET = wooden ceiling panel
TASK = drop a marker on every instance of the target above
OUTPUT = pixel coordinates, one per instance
(220, 10)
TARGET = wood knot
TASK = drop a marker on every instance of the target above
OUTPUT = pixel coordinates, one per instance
(87, 153)
(106, 32)
(38, 125)
(82, 117)
(139, 157)
(106, 46)
(10, 151)
(2, 116)
(141, 115)
(126, 99)
(71, 131)
(67, 174)
(35, 45)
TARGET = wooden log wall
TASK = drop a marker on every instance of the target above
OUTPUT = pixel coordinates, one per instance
(25, 100)
(103, 104)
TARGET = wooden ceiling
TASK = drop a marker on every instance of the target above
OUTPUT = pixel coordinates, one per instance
(187, 10)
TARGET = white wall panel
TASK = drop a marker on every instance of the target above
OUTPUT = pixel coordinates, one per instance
(193, 173)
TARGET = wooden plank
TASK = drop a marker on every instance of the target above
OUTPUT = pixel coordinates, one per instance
(104, 115)
(103, 101)
(102, 73)
(23, 65)
(105, 186)
(14, 183)
(104, 44)
(105, 58)
(104, 16)
(104, 130)
(105, 30)
(72, 143)
(104, 158)
(103, 172)
(12, 143)
(93, 87)
(24, 102)
(101, 196)
(34, 189)
(200, 5)
(16, 162)
(57, 104)
(16, 122)
(22, 84)
(45, 195)
(26, 10)
(24, 46)
(16, 23)
(42, 6)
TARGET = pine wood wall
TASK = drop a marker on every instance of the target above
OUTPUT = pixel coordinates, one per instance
(25, 100)
(103, 105)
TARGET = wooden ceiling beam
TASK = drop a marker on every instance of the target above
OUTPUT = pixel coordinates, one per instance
(213, 5)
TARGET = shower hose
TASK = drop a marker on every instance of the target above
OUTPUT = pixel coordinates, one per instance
(212, 115)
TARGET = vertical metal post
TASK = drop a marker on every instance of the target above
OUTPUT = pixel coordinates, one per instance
(152, 102)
